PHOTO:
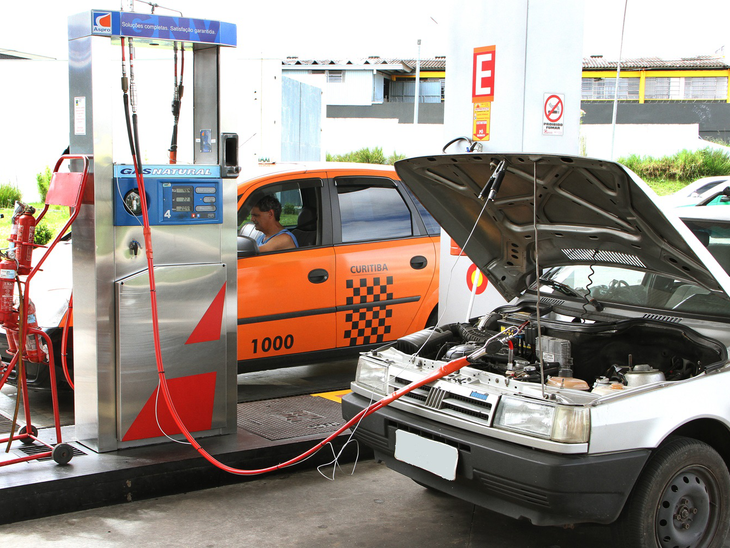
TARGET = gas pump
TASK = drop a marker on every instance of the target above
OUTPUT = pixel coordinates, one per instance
(192, 218)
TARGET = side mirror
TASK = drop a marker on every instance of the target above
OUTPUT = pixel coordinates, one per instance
(247, 247)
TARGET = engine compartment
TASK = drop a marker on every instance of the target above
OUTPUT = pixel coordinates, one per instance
(599, 355)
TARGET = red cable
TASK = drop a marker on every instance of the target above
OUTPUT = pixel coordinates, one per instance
(446, 369)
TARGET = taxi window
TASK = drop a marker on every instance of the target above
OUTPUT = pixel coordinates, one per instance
(301, 208)
(372, 209)
(432, 227)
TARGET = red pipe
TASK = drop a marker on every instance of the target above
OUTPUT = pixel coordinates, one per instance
(446, 369)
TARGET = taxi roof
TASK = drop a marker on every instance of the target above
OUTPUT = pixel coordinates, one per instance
(283, 168)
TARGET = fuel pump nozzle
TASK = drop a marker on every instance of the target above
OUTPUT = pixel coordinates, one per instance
(176, 101)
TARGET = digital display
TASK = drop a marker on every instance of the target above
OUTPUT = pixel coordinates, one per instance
(182, 198)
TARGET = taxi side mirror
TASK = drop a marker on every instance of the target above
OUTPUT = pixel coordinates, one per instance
(247, 247)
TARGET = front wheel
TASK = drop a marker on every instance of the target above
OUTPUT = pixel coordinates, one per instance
(681, 499)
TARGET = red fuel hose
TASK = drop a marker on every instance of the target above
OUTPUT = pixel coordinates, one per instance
(444, 370)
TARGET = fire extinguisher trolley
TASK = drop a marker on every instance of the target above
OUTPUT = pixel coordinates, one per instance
(24, 337)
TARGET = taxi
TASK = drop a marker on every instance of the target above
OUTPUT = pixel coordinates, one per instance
(365, 270)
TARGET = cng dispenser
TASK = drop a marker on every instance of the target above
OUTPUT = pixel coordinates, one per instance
(192, 216)
(513, 85)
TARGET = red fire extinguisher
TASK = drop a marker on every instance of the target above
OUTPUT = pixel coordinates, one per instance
(34, 348)
(24, 243)
(8, 274)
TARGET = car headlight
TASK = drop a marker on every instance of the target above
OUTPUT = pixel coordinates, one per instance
(559, 423)
(372, 374)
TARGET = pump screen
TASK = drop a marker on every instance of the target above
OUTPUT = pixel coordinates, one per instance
(187, 202)
(182, 199)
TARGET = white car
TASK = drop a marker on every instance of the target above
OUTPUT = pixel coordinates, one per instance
(600, 392)
(697, 191)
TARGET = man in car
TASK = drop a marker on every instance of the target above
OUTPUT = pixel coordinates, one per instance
(265, 216)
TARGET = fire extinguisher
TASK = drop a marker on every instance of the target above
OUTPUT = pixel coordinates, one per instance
(8, 274)
(34, 348)
(19, 208)
(24, 243)
(11, 334)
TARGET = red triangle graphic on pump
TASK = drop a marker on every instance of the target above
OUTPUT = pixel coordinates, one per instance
(194, 399)
(209, 326)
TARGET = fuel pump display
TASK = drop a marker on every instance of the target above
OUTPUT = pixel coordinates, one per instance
(176, 195)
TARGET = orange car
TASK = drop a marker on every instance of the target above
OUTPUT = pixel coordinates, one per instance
(365, 271)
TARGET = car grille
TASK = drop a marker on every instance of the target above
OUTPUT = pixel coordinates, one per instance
(470, 408)
(507, 489)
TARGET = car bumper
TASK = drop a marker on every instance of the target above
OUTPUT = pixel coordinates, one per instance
(544, 488)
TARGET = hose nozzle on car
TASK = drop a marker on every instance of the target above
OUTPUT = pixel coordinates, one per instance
(495, 342)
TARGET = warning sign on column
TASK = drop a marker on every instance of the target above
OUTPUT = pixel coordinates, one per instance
(482, 115)
(552, 113)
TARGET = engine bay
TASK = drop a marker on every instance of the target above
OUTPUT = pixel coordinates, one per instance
(602, 356)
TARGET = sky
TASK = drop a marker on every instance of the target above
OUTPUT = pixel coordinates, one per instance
(329, 29)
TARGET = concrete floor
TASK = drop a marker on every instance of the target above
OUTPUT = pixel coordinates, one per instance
(375, 507)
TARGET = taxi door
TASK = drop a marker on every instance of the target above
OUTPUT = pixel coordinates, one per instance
(384, 268)
(286, 299)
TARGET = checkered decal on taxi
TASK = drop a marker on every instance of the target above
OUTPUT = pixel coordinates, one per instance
(368, 325)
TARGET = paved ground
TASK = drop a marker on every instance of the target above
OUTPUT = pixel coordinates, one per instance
(375, 507)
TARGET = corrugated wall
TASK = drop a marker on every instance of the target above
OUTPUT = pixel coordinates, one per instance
(301, 121)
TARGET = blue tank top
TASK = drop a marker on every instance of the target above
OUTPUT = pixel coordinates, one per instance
(262, 239)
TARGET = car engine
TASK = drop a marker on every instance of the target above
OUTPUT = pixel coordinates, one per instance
(569, 353)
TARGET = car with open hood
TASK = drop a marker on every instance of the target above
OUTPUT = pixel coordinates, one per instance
(599, 392)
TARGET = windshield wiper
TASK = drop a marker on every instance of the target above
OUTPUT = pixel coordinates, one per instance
(567, 290)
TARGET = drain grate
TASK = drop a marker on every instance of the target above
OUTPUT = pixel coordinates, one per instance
(287, 418)
(35, 449)
(5, 424)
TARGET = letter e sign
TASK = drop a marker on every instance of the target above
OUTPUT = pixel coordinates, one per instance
(483, 75)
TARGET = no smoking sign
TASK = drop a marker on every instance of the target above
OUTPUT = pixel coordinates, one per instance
(552, 113)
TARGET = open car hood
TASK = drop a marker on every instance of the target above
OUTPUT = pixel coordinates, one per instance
(587, 211)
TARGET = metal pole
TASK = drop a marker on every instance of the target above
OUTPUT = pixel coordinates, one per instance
(417, 98)
(618, 76)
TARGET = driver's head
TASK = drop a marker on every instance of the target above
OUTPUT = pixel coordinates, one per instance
(269, 203)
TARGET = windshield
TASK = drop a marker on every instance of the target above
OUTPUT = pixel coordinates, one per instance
(607, 284)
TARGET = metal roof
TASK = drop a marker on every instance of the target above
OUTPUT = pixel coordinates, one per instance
(597, 62)
(380, 63)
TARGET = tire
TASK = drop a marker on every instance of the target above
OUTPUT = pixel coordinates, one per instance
(682, 498)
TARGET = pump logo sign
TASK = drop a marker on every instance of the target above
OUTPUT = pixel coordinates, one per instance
(102, 23)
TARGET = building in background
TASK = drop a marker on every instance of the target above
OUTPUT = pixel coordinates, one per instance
(663, 106)
(656, 91)
(375, 87)
(304, 109)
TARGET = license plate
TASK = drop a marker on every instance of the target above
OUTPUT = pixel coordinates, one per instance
(433, 456)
